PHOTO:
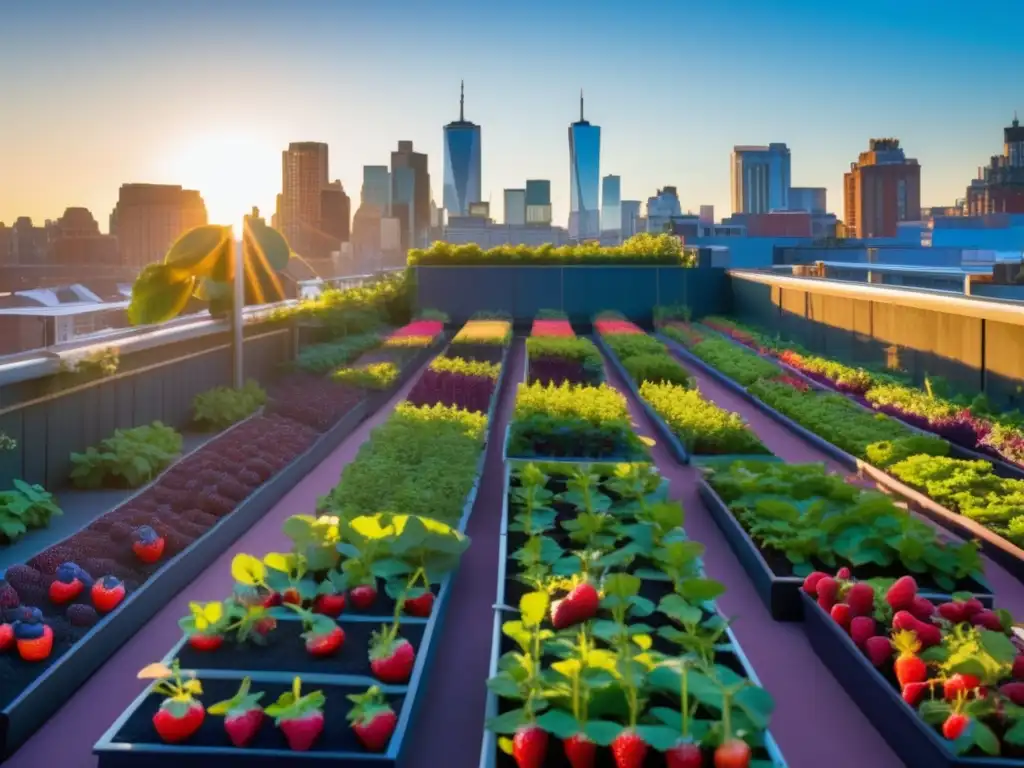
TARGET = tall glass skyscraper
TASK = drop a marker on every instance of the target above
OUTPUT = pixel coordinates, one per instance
(584, 178)
(611, 204)
(760, 179)
(461, 162)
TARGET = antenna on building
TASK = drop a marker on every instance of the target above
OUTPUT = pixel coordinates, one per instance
(581, 105)
(462, 101)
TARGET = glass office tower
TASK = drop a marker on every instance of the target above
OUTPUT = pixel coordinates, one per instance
(584, 178)
(461, 163)
(611, 204)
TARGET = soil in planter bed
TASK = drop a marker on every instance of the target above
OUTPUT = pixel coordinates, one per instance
(782, 568)
(285, 651)
(484, 353)
(336, 737)
(182, 506)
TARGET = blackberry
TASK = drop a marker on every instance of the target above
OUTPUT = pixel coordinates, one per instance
(121, 532)
(34, 595)
(48, 561)
(215, 504)
(19, 576)
(198, 517)
(80, 615)
(232, 489)
(8, 597)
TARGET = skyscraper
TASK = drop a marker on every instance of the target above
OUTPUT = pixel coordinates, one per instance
(148, 218)
(999, 187)
(377, 188)
(584, 178)
(515, 207)
(303, 176)
(461, 162)
(760, 178)
(880, 190)
(611, 204)
(630, 217)
(418, 217)
(538, 202)
(335, 212)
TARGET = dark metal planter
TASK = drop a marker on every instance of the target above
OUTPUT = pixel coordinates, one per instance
(114, 754)
(913, 740)
(36, 703)
(998, 549)
(781, 595)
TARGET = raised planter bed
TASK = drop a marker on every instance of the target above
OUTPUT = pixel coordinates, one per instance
(132, 741)
(349, 673)
(918, 744)
(781, 595)
(1001, 551)
(69, 667)
(727, 653)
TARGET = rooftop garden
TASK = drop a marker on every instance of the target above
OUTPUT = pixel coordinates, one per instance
(639, 249)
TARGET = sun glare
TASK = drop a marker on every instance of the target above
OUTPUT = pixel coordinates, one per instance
(233, 173)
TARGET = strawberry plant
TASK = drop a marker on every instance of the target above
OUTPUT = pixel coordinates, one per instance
(300, 717)
(205, 625)
(129, 458)
(811, 517)
(955, 663)
(219, 408)
(180, 714)
(243, 715)
(372, 719)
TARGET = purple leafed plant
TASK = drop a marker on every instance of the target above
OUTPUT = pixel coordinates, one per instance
(472, 393)
(961, 429)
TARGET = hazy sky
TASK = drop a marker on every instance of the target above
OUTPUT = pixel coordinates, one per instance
(206, 93)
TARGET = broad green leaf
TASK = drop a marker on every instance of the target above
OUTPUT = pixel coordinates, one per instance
(507, 722)
(157, 297)
(602, 732)
(658, 737)
(205, 251)
(558, 722)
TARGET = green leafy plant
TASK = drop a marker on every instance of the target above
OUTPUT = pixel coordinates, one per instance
(375, 376)
(639, 249)
(102, 362)
(323, 358)
(627, 345)
(572, 349)
(657, 368)
(421, 461)
(738, 364)
(221, 407)
(664, 314)
(446, 364)
(701, 426)
(201, 264)
(128, 458)
(815, 519)
(24, 508)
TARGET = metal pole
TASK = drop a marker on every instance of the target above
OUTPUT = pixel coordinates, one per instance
(238, 292)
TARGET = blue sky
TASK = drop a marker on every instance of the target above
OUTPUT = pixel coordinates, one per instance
(208, 92)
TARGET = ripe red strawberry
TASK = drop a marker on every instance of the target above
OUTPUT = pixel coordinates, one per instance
(33, 639)
(861, 599)
(909, 667)
(958, 684)
(1014, 692)
(529, 746)
(291, 596)
(922, 608)
(955, 612)
(843, 574)
(1018, 667)
(914, 692)
(391, 658)
(177, 720)
(629, 750)
(419, 606)
(878, 649)
(302, 732)
(972, 607)
(107, 594)
(811, 583)
(841, 615)
(147, 544)
(684, 755)
(928, 634)
(329, 605)
(363, 597)
(578, 606)
(955, 725)
(828, 592)
(272, 600)
(202, 642)
(372, 719)
(987, 620)
(6, 637)
(580, 751)
(243, 715)
(732, 754)
(902, 593)
(322, 644)
(300, 718)
(861, 628)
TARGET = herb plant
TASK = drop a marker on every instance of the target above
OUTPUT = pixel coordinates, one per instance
(701, 426)
(219, 408)
(24, 508)
(129, 458)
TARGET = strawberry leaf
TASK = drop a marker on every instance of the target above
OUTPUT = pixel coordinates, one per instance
(559, 723)
(507, 722)
(602, 732)
(658, 736)
(984, 738)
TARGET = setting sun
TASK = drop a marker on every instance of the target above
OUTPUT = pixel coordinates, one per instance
(234, 173)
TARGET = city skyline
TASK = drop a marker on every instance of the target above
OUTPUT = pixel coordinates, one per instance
(81, 132)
